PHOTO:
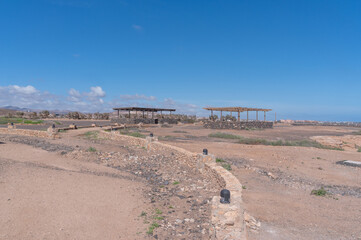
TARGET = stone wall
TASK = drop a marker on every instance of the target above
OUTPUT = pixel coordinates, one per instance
(237, 125)
(32, 133)
(329, 124)
(144, 120)
(227, 219)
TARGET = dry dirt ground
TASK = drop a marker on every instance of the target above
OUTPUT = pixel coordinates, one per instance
(85, 187)
(278, 180)
(59, 123)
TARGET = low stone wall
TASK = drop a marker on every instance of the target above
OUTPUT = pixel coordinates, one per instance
(32, 133)
(144, 120)
(237, 125)
(227, 219)
(328, 124)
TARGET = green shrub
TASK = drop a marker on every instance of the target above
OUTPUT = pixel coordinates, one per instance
(91, 149)
(218, 160)
(151, 228)
(319, 192)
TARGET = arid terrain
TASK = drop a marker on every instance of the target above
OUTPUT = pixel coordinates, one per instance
(84, 187)
(278, 180)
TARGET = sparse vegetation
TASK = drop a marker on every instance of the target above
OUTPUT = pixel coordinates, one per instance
(357, 133)
(359, 149)
(143, 214)
(218, 160)
(224, 135)
(227, 166)
(260, 141)
(91, 135)
(57, 123)
(151, 228)
(6, 120)
(133, 134)
(319, 192)
(180, 131)
(91, 149)
(176, 183)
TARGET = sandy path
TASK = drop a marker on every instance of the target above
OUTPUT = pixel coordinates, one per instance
(46, 196)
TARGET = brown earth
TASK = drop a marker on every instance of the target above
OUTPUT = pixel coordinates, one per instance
(278, 180)
(85, 187)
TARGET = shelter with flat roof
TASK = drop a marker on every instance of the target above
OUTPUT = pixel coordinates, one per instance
(158, 115)
(229, 121)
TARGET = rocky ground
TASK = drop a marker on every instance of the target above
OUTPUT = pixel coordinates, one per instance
(294, 192)
(175, 197)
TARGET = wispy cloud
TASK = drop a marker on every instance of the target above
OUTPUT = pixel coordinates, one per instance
(137, 27)
(137, 97)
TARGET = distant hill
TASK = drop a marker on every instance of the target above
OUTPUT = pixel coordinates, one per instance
(16, 108)
(4, 112)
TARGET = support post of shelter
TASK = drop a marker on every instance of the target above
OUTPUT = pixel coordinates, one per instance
(239, 116)
(257, 115)
(247, 116)
(212, 115)
(221, 117)
(264, 115)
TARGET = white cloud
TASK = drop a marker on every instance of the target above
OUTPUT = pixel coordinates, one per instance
(24, 90)
(96, 92)
(91, 101)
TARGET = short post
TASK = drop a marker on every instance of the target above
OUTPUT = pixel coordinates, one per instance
(225, 196)
(205, 151)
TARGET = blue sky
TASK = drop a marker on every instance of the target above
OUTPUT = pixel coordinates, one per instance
(300, 58)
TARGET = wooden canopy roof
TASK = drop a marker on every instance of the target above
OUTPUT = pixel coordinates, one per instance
(236, 109)
(144, 109)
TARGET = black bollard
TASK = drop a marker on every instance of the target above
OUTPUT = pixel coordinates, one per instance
(205, 151)
(225, 196)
